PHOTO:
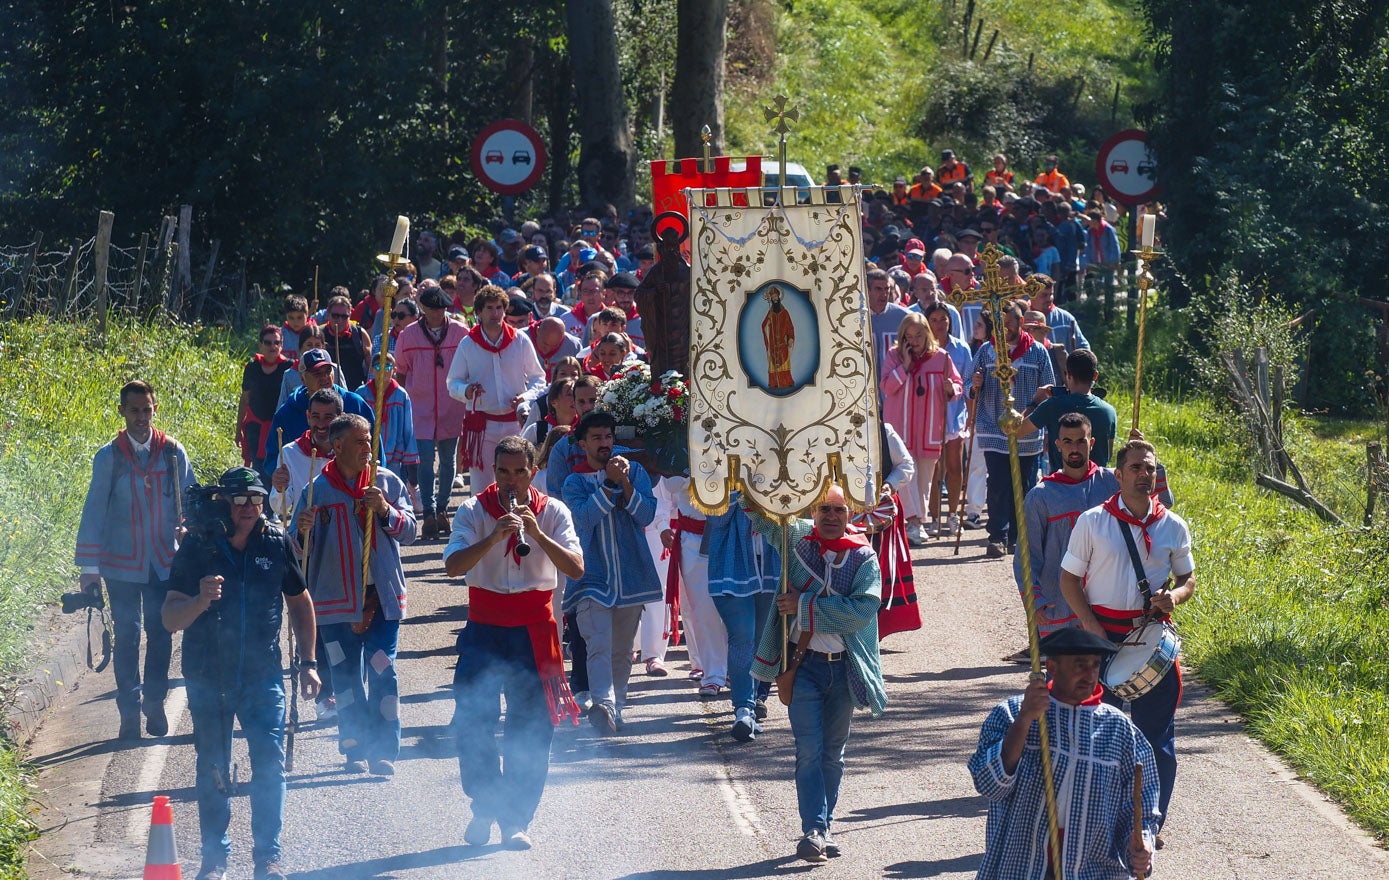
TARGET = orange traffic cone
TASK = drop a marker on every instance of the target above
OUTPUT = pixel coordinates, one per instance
(161, 857)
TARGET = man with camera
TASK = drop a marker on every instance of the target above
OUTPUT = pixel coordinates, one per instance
(226, 591)
(510, 644)
(129, 532)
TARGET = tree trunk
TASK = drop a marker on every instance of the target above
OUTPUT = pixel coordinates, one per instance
(557, 111)
(520, 77)
(697, 94)
(606, 157)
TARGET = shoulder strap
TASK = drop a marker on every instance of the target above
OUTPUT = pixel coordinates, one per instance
(1143, 586)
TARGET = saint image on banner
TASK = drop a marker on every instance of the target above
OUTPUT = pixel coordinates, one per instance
(779, 335)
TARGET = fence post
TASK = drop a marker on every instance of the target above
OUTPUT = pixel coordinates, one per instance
(183, 275)
(136, 295)
(207, 279)
(26, 281)
(102, 256)
(69, 292)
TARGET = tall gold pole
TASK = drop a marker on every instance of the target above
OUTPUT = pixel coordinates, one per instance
(392, 262)
(1145, 280)
(995, 294)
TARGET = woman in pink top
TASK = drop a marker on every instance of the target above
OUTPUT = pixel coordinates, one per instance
(919, 379)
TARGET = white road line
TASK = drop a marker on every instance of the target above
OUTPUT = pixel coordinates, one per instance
(152, 770)
(734, 795)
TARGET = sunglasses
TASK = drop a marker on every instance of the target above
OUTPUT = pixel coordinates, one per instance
(401, 316)
(339, 316)
(243, 500)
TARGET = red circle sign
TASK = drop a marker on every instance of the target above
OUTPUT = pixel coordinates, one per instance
(508, 157)
(1127, 169)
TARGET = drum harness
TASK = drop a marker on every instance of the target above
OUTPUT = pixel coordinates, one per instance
(1142, 575)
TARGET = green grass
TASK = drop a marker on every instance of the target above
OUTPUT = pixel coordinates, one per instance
(1290, 622)
(63, 388)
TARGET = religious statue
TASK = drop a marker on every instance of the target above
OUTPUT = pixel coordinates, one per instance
(663, 300)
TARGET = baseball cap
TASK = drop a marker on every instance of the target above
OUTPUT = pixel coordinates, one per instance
(314, 359)
(518, 305)
(240, 481)
(507, 236)
(458, 253)
(534, 252)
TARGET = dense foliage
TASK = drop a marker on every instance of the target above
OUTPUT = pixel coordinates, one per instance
(1269, 126)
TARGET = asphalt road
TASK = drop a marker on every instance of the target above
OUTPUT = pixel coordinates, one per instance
(676, 797)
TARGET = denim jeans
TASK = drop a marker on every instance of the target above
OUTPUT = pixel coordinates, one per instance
(127, 614)
(368, 708)
(260, 707)
(820, 713)
(1154, 714)
(745, 617)
(435, 496)
(1003, 519)
(505, 783)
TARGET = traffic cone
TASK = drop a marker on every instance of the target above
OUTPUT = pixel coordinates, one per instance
(161, 857)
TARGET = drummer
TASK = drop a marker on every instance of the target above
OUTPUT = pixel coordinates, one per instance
(1099, 578)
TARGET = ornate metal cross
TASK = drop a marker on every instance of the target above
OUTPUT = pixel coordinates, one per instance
(781, 112)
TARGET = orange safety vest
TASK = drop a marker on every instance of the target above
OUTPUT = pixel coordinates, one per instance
(1055, 181)
(916, 192)
(950, 175)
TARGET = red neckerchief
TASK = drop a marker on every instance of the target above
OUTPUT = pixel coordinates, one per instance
(1115, 508)
(539, 352)
(508, 337)
(1061, 476)
(391, 386)
(580, 313)
(1097, 235)
(849, 541)
(356, 490)
(1025, 341)
(1094, 699)
(583, 467)
(632, 314)
(306, 446)
(491, 501)
(127, 448)
(554, 422)
(260, 360)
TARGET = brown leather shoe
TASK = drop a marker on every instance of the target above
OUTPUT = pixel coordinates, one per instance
(429, 529)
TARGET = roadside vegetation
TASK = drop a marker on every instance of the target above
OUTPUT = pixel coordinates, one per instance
(64, 388)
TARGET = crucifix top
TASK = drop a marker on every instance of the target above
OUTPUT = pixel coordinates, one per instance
(995, 292)
(781, 112)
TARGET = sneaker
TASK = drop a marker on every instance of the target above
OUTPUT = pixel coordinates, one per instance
(916, 535)
(327, 709)
(759, 710)
(831, 848)
(458, 482)
(933, 530)
(996, 550)
(655, 668)
(973, 522)
(429, 528)
(584, 700)
(812, 847)
(696, 673)
(383, 768)
(604, 718)
(708, 691)
(355, 766)
(270, 871)
(156, 722)
(744, 725)
(515, 838)
(212, 872)
(479, 831)
(952, 525)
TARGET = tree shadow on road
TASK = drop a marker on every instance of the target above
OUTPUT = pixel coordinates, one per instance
(959, 864)
(390, 866)
(774, 867)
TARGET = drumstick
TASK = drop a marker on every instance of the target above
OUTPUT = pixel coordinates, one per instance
(1138, 810)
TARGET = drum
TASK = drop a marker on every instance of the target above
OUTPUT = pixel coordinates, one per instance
(1144, 659)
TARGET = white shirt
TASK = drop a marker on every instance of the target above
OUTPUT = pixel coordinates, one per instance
(298, 464)
(496, 570)
(1097, 553)
(515, 371)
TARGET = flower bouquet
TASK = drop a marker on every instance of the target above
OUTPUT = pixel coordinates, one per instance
(653, 410)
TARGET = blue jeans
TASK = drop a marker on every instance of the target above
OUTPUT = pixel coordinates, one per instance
(260, 707)
(435, 497)
(820, 712)
(127, 615)
(1003, 519)
(745, 617)
(1154, 714)
(368, 708)
(505, 783)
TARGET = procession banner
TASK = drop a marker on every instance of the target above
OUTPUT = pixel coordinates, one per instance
(782, 396)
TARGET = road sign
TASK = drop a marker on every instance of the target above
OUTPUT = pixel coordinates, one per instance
(1127, 169)
(508, 157)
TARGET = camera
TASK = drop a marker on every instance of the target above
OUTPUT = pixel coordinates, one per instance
(87, 597)
(208, 516)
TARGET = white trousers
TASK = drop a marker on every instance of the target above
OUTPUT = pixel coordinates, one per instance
(652, 638)
(976, 487)
(704, 629)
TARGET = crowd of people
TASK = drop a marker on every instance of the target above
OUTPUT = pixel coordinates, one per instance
(496, 352)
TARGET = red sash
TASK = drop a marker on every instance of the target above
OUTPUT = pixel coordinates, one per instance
(679, 524)
(898, 611)
(532, 610)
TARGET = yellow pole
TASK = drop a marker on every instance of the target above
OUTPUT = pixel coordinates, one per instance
(388, 290)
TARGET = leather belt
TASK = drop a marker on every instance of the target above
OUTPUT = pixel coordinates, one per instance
(831, 657)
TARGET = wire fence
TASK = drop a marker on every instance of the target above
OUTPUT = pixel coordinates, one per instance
(143, 278)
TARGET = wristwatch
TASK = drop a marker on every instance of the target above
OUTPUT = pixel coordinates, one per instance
(308, 664)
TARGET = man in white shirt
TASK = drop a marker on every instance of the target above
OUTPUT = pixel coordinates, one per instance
(513, 542)
(1099, 579)
(494, 370)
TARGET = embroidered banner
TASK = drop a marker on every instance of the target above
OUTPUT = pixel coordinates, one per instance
(782, 399)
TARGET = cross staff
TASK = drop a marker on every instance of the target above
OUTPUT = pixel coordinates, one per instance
(1145, 280)
(781, 113)
(996, 293)
(388, 289)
